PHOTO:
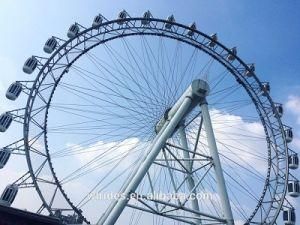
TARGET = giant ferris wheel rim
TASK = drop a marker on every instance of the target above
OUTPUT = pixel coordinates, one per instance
(164, 33)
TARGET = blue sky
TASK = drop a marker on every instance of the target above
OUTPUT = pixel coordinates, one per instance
(266, 33)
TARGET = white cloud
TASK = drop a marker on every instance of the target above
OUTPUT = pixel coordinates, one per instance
(293, 106)
(109, 149)
(228, 135)
(242, 141)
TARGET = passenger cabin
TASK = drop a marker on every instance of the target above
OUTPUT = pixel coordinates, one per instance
(231, 56)
(4, 156)
(30, 65)
(289, 217)
(97, 20)
(293, 161)
(192, 29)
(122, 15)
(265, 88)
(278, 110)
(289, 135)
(5, 121)
(250, 71)
(170, 19)
(146, 18)
(73, 31)
(50, 45)
(9, 194)
(212, 42)
(293, 188)
(14, 91)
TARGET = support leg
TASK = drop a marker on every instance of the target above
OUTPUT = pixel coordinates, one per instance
(190, 179)
(217, 164)
(164, 134)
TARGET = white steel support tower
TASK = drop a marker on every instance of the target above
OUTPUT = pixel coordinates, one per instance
(189, 166)
(194, 95)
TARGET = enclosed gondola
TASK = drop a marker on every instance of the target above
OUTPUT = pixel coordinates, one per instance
(170, 19)
(50, 45)
(73, 31)
(192, 27)
(293, 161)
(293, 188)
(289, 135)
(122, 15)
(9, 194)
(97, 20)
(14, 91)
(212, 42)
(146, 18)
(250, 71)
(5, 121)
(265, 88)
(278, 110)
(30, 65)
(232, 54)
(4, 156)
(289, 217)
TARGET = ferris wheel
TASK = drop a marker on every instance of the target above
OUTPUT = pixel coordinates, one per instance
(140, 120)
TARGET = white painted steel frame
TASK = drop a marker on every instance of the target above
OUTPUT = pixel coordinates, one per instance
(158, 144)
(276, 142)
(194, 95)
(188, 164)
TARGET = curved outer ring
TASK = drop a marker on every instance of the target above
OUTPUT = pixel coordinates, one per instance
(158, 26)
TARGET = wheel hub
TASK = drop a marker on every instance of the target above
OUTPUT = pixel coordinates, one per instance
(197, 91)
